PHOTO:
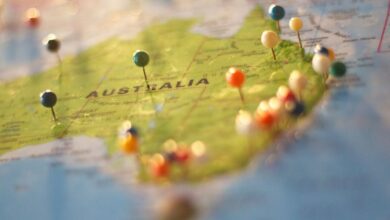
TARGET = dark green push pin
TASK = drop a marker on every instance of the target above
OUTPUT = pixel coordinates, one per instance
(53, 45)
(276, 12)
(141, 59)
(337, 69)
(49, 100)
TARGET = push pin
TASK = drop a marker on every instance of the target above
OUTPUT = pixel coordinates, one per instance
(128, 138)
(49, 100)
(337, 69)
(141, 59)
(295, 109)
(264, 119)
(296, 25)
(321, 65)
(318, 49)
(244, 123)
(53, 45)
(331, 54)
(276, 12)
(33, 17)
(297, 83)
(159, 166)
(129, 144)
(236, 78)
(270, 39)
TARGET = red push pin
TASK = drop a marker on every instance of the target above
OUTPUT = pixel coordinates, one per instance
(236, 78)
(264, 119)
(159, 166)
(33, 18)
(285, 94)
(183, 155)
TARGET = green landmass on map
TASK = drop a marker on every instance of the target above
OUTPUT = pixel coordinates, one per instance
(101, 87)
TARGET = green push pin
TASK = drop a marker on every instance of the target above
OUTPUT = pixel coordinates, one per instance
(141, 59)
(337, 69)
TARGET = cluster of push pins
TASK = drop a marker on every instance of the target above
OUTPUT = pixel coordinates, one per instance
(270, 38)
(178, 155)
(287, 102)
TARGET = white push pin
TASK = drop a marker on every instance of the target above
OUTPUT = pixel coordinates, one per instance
(270, 39)
(244, 123)
(321, 64)
(276, 107)
(297, 83)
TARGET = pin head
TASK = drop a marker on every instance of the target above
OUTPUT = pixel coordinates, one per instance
(129, 145)
(159, 166)
(276, 12)
(183, 155)
(295, 108)
(276, 107)
(235, 77)
(32, 17)
(318, 49)
(295, 24)
(297, 81)
(48, 99)
(141, 58)
(264, 119)
(338, 69)
(170, 156)
(52, 43)
(133, 131)
(269, 39)
(331, 54)
(285, 94)
(244, 123)
(320, 63)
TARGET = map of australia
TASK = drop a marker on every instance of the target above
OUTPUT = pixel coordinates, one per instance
(188, 99)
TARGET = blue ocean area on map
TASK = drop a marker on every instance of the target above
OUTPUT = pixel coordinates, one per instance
(47, 189)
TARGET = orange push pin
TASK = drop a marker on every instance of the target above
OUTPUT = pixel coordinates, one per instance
(129, 145)
(33, 18)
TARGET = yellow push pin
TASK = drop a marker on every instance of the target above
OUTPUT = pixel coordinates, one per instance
(296, 25)
(270, 39)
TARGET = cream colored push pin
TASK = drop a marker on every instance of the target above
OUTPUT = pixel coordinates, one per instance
(246, 126)
(297, 83)
(321, 64)
(296, 25)
(270, 39)
(244, 123)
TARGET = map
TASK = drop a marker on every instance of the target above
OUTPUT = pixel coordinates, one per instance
(330, 163)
